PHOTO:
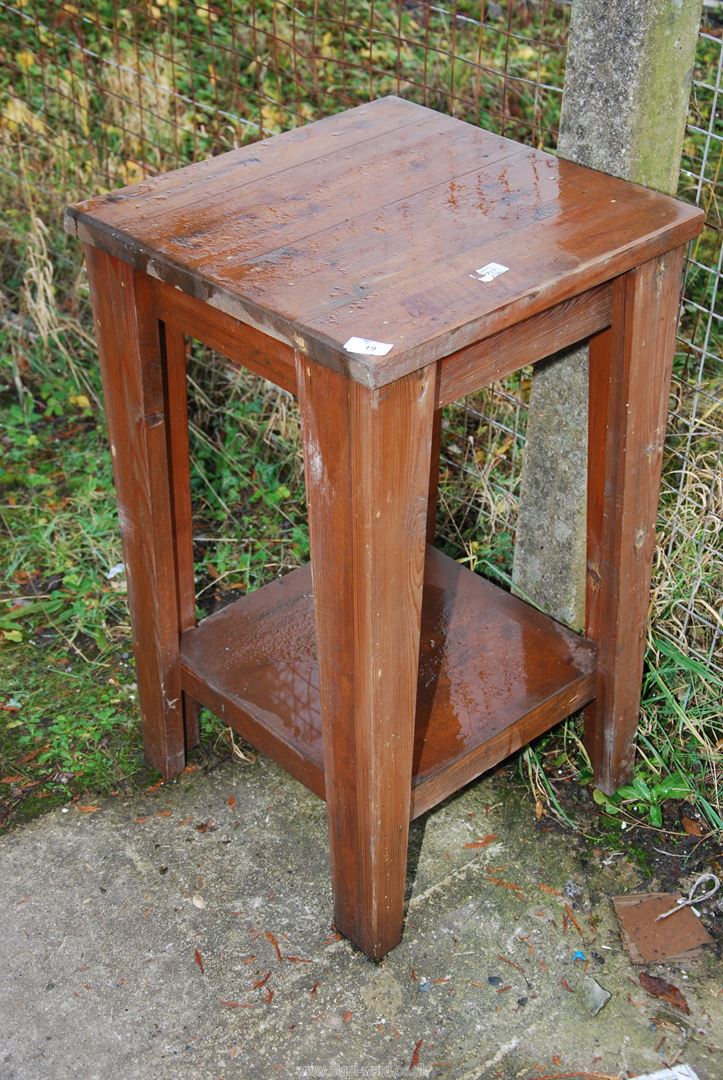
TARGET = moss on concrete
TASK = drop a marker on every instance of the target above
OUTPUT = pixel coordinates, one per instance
(661, 103)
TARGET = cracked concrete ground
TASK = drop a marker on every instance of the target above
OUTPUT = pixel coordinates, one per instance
(186, 934)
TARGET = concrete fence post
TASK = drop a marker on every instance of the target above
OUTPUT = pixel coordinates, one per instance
(624, 107)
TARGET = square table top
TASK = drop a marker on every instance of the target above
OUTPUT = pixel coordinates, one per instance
(386, 225)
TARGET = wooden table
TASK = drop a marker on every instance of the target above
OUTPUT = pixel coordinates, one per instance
(379, 264)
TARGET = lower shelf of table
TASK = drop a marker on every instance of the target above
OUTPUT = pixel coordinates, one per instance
(493, 674)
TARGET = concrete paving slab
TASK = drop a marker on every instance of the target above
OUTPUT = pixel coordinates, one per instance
(187, 934)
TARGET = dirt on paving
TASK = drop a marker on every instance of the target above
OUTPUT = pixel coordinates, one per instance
(186, 932)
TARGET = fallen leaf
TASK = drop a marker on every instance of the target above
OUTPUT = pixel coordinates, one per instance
(268, 995)
(298, 960)
(315, 987)
(32, 754)
(164, 813)
(539, 809)
(199, 960)
(347, 1015)
(270, 937)
(569, 917)
(525, 939)
(483, 841)
(261, 982)
(140, 819)
(659, 988)
(415, 1055)
(231, 1004)
(207, 826)
(12, 780)
(549, 889)
(190, 769)
(512, 964)
(231, 800)
(154, 787)
(691, 826)
(198, 901)
(88, 809)
(517, 889)
(248, 959)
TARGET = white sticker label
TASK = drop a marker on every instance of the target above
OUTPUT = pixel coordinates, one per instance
(366, 347)
(489, 272)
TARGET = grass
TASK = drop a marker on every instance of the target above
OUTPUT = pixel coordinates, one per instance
(176, 82)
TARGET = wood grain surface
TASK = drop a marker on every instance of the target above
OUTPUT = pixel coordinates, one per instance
(630, 371)
(493, 673)
(372, 224)
(132, 366)
(366, 465)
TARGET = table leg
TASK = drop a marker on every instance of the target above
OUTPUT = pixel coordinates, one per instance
(173, 344)
(132, 366)
(367, 457)
(434, 477)
(630, 369)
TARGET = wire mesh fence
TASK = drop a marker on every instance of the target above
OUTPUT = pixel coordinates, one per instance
(692, 505)
(96, 96)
